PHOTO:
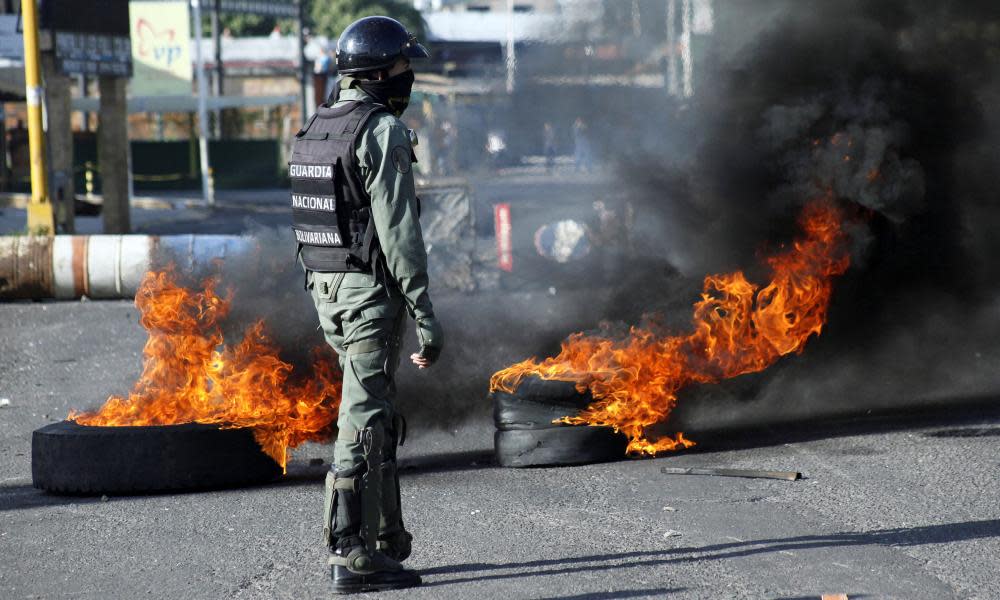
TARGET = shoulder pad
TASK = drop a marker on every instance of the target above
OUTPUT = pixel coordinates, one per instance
(389, 122)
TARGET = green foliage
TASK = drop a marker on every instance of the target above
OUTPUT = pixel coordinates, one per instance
(330, 17)
(323, 17)
(243, 25)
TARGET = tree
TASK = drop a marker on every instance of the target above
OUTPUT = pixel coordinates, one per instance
(324, 17)
(330, 17)
(245, 25)
(241, 25)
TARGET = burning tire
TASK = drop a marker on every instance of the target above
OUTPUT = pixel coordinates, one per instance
(559, 445)
(527, 437)
(75, 459)
(536, 403)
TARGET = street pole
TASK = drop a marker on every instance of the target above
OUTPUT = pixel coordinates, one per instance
(217, 80)
(40, 216)
(511, 58)
(207, 193)
(673, 87)
(636, 19)
(688, 77)
(113, 155)
(303, 73)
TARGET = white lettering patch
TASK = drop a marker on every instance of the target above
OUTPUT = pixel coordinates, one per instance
(318, 238)
(310, 171)
(324, 203)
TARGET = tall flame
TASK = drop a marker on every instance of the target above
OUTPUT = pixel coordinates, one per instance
(189, 375)
(738, 328)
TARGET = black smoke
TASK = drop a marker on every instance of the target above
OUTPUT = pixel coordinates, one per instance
(890, 108)
(869, 102)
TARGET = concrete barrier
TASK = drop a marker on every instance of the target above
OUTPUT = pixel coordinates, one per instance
(103, 266)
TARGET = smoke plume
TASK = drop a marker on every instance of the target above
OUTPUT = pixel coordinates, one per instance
(884, 107)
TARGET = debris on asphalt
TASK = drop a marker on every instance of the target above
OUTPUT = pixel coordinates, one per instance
(671, 533)
(104, 498)
(786, 475)
(4, 402)
(669, 509)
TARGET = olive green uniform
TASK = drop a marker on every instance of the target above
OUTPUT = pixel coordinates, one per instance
(362, 315)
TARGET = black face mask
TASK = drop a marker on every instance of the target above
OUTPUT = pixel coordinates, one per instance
(394, 92)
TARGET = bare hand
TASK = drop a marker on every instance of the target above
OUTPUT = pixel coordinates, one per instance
(420, 361)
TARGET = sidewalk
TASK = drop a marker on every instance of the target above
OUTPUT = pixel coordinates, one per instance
(238, 211)
(168, 212)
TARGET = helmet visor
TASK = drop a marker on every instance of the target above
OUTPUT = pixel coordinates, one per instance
(414, 49)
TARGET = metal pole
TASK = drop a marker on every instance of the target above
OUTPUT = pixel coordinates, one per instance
(672, 83)
(85, 93)
(113, 154)
(4, 175)
(207, 193)
(303, 73)
(40, 217)
(217, 79)
(753, 474)
(511, 57)
(686, 48)
(59, 142)
(636, 19)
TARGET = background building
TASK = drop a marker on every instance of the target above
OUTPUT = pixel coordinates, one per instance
(486, 5)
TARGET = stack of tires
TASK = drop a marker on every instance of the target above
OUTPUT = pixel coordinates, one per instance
(526, 435)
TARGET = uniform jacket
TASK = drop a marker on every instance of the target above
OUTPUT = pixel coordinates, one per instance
(385, 158)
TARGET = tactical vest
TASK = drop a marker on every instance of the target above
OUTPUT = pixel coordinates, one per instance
(331, 210)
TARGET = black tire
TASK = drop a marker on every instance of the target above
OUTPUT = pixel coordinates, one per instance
(536, 403)
(70, 458)
(568, 445)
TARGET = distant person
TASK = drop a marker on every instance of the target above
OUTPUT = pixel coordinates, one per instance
(496, 147)
(323, 68)
(448, 140)
(549, 145)
(583, 159)
(275, 33)
(324, 63)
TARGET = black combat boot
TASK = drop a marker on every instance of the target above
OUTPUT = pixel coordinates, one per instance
(354, 570)
(396, 546)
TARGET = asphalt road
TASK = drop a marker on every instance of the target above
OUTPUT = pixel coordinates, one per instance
(900, 506)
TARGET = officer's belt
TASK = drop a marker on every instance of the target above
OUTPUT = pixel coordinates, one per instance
(349, 434)
(368, 345)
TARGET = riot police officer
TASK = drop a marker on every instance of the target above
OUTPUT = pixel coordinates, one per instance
(355, 218)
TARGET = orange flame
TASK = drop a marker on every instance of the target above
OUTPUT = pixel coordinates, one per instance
(739, 328)
(189, 375)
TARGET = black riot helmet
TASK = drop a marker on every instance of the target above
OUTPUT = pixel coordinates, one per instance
(374, 43)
